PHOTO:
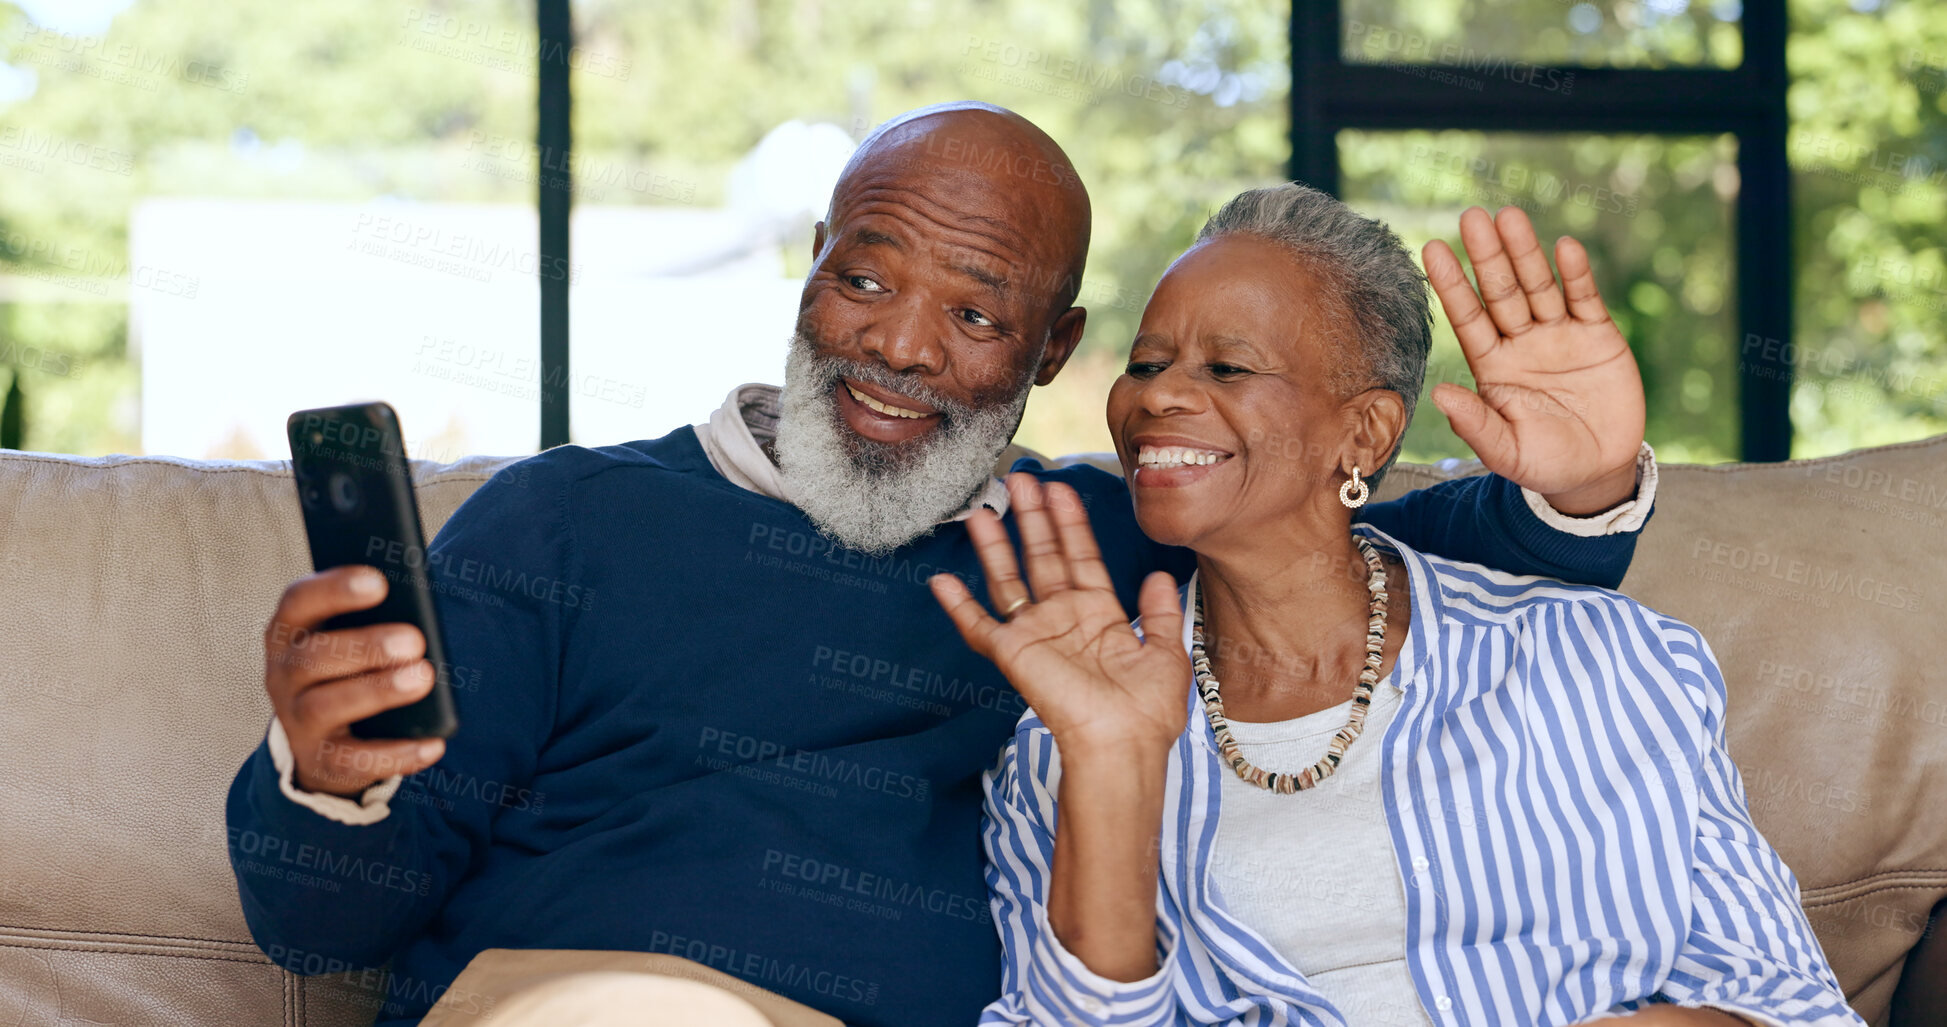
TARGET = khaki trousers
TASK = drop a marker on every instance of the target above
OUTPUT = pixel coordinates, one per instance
(578, 988)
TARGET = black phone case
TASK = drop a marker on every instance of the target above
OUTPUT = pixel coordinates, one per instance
(355, 487)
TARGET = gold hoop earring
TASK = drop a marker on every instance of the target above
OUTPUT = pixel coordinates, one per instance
(1345, 490)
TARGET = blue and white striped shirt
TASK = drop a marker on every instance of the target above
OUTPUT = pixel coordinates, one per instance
(1572, 834)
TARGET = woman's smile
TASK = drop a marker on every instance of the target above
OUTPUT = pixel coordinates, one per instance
(1172, 461)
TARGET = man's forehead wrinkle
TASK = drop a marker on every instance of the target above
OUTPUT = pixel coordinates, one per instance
(963, 258)
(868, 237)
(1006, 239)
(1230, 341)
(938, 192)
(987, 278)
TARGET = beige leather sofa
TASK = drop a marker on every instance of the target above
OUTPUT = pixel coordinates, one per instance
(134, 592)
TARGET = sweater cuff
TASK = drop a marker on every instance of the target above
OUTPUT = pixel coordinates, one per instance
(1068, 990)
(1616, 520)
(371, 807)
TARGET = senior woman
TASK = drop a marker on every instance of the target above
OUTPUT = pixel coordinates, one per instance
(1447, 794)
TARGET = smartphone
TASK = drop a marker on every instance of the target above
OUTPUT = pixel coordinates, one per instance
(355, 487)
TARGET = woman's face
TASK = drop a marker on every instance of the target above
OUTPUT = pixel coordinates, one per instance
(1229, 418)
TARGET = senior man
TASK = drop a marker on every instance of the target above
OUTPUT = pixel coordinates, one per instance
(751, 738)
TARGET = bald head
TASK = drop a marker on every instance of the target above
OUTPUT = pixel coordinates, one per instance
(1004, 169)
(942, 289)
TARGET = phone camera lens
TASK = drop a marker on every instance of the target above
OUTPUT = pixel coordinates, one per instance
(344, 492)
(312, 496)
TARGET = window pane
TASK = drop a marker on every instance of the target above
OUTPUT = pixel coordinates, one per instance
(1869, 132)
(214, 214)
(1505, 38)
(1657, 216)
(711, 144)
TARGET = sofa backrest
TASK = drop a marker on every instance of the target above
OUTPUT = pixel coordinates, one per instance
(134, 592)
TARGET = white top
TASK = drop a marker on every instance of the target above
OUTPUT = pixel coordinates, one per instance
(1313, 872)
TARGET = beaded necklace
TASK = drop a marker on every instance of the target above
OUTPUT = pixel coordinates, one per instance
(1213, 703)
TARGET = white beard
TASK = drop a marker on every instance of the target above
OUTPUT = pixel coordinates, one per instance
(868, 495)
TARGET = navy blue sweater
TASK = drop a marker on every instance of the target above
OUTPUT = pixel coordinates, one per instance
(691, 724)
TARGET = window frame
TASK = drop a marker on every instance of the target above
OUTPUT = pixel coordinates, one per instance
(1328, 94)
(554, 204)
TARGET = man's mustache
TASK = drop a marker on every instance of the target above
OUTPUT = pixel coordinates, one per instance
(830, 368)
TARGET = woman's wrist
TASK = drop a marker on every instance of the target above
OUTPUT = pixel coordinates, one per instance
(1123, 755)
(1604, 493)
(1102, 896)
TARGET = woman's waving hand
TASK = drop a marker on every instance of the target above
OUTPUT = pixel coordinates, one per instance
(1064, 639)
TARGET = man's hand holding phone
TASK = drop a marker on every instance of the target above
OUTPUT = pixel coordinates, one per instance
(321, 682)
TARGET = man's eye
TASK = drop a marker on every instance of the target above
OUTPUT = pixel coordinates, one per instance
(863, 284)
(976, 318)
(1228, 370)
(1142, 369)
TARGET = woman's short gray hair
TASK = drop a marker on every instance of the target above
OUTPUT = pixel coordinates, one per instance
(1383, 292)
